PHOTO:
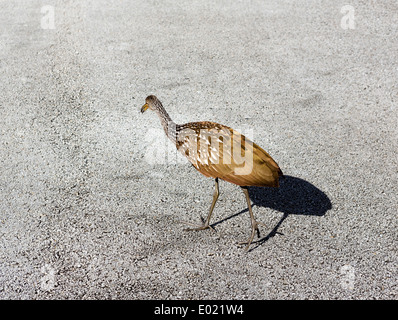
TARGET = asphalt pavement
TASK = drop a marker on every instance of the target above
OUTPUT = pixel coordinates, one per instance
(93, 195)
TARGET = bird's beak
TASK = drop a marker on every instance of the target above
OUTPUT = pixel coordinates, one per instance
(144, 108)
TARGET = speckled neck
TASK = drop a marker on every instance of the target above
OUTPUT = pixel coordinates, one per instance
(168, 125)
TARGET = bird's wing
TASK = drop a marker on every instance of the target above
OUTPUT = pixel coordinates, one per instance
(202, 143)
(220, 152)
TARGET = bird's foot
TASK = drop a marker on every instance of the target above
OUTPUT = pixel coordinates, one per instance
(196, 227)
(255, 225)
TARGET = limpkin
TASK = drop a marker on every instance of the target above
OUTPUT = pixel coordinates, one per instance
(220, 152)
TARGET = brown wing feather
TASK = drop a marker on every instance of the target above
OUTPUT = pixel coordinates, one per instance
(219, 151)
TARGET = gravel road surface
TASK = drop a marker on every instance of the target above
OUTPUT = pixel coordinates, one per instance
(92, 194)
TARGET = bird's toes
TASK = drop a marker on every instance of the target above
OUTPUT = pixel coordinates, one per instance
(197, 227)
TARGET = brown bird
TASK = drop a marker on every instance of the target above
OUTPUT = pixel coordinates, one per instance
(220, 152)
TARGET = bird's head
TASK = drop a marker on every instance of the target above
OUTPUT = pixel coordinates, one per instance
(150, 103)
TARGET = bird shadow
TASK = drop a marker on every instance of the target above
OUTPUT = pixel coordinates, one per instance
(294, 196)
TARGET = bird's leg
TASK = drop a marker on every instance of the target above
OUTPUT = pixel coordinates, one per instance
(254, 222)
(206, 223)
